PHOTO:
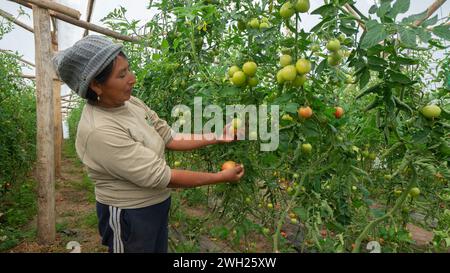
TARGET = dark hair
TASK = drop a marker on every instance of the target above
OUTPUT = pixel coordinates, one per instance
(101, 77)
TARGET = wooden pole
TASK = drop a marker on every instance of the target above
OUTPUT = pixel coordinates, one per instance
(45, 165)
(90, 8)
(85, 25)
(90, 26)
(431, 9)
(57, 108)
(33, 77)
(11, 18)
(56, 7)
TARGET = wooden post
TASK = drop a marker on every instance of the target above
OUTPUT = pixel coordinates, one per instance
(90, 7)
(45, 165)
(56, 7)
(57, 109)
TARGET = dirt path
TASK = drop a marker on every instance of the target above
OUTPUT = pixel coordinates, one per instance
(76, 218)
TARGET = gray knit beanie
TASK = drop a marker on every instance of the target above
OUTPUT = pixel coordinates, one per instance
(78, 65)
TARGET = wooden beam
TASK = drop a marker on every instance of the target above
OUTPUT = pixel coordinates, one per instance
(90, 26)
(90, 8)
(56, 7)
(45, 164)
(33, 77)
(23, 3)
(86, 25)
(431, 9)
(11, 18)
(354, 13)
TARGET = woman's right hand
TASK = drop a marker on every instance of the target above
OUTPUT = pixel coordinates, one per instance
(232, 174)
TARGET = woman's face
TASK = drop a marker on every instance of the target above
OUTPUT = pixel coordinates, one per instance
(117, 89)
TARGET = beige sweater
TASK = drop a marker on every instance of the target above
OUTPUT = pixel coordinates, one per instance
(123, 150)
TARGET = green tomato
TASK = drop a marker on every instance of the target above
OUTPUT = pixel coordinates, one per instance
(431, 111)
(263, 25)
(288, 73)
(254, 23)
(285, 60)
(287, 10)
(233, 70)
(334, 45)
(303, 66)
(249, 68)
(239, 78)
(414, 192)
(253, 81)
(307, 148)
(302, 6)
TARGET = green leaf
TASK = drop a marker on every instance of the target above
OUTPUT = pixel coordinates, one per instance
(364, 78)
(442, 31)
(408, 36)
(324, 10)
(376, 60)
(291, 107)
(424, 35)
(400, 6)
(384, 8)
(373, 9)
(430, 22)
(399, 77)
(376, 33)
(413, 18)
(404, 61)
(164, 44)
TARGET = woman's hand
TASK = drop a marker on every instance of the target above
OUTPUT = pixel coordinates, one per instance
(232, 174)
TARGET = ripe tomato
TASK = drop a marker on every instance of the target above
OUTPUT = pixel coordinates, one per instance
(305, 112)
(339, 112)
(228, 165)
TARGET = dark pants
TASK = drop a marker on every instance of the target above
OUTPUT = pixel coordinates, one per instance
(134, 230)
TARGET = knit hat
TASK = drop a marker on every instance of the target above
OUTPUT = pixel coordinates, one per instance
(78, 65)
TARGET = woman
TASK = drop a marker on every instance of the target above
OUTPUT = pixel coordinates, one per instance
(121, 142)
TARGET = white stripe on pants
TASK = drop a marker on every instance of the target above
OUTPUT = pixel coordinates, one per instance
(114, 223)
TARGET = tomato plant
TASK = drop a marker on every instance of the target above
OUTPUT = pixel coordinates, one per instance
(344, 178)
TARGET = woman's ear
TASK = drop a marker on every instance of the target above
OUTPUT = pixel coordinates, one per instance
(96, 87)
